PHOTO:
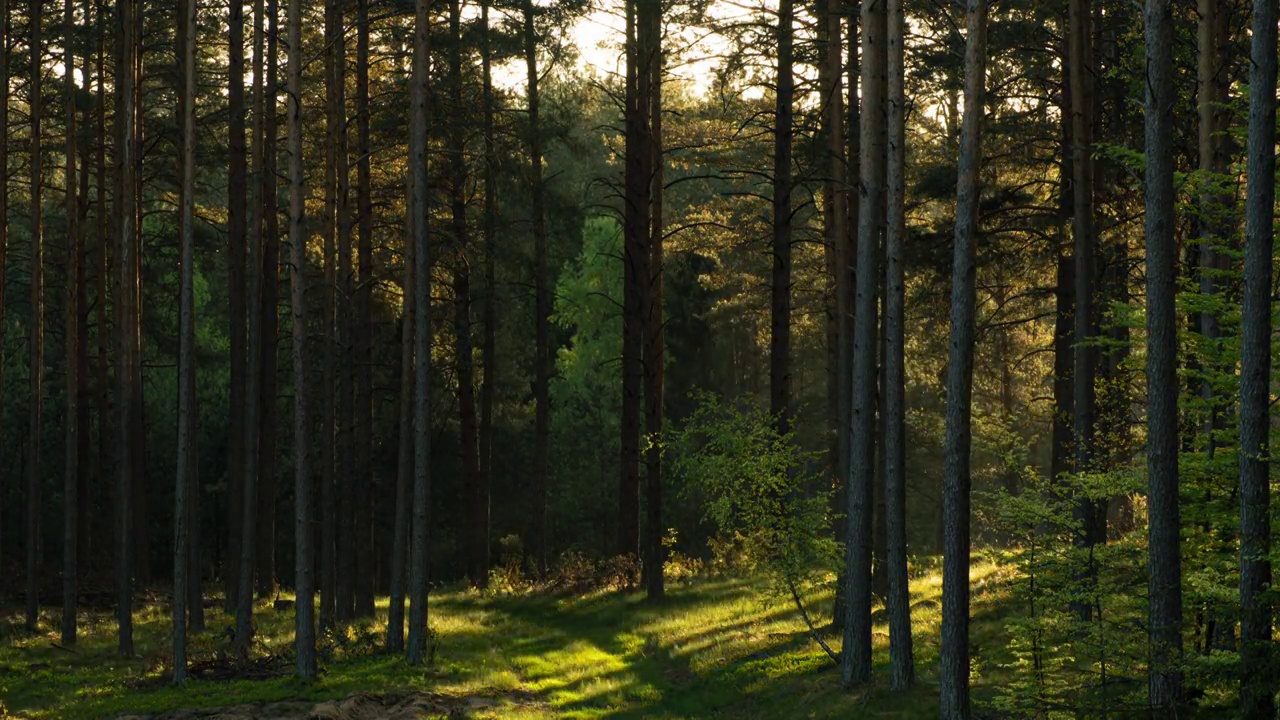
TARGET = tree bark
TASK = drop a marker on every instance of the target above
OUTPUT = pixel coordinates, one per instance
(780, 290)
(6, 31)
(404, 474)
(655, 339)
(71, 421)
(856, 655)
(237, 188)
(834, 234)
(422, 332)
(634, 275)
(187, 439)
(36, 328)
(364, 540)
(488, 374)
(1257, 679)
(1165, 591)
(329, 359)
(343, 319)
(305, 637)
(901, 663)
(126, 308)
(542, 299)
(953, 674)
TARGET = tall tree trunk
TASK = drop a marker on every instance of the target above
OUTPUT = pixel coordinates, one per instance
(655, 334)
(126, 310)
(488, 374)
(4, 204)
(252, 281)
(1165, 591)
(1060, 454)
(901, 663)
(542, 299)
(343, 319)
(36, 329)
(634, 274)
(780, 291)
(856, 656)
(328, 408)
(404, 474)
(237, 188)
(101, 286)
(953, 673)
(462, 267)
(256, 269)
(305, 630)
(270, 322)
(1089, 512)
(419, 223)
(1257, 679)
(835, 247)
(364, 542)
(71, 481)
(187, 439)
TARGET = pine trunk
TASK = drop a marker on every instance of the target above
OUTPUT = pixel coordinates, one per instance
(35, 332)
(237, 188)
(780, 289)
(71, 419)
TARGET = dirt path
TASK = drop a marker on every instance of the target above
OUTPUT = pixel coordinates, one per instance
(358, 707)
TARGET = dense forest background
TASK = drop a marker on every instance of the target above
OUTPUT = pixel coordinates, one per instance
(362, 295)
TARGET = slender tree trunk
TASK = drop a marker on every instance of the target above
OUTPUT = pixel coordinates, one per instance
(126, 309)
(542, 299)
(480, 569)
(255, 312)
(835, 248)
(856, 656)
(462, 266)
(1165, 591)
(1257, 683)
(36, 328)
(655, 338)
(343, 319)
(305, 629)
(364, 540)
(780, 292)
(635, 261)
(1060, 458)
(237, 188)
(84, 430)
(250, 432)
(102, 287)
(953, 674)
(404, 475)
(71, 481)
(901, 663)
(328, 406)
(187, 439)
(270, 323)
(422, 332)
(4, 204)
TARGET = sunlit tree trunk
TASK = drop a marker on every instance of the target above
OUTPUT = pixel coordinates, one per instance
(1165, 566)
(953, 676)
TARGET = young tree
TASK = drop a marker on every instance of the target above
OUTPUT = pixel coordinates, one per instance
(1165, 591)
(305, 632)
(71, 421)
(953, 674)
(186, 460)
(127, 316)
(901, 663)
(418, 189)
(856, 656)
(1257, 685)
(36, 329)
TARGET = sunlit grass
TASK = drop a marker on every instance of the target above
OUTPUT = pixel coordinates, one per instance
(718, 647)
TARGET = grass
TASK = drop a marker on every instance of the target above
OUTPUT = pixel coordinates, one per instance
(715, 648)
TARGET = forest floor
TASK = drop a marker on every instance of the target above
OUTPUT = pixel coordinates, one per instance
(716, 648)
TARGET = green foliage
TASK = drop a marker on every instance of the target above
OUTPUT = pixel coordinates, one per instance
(752, 483)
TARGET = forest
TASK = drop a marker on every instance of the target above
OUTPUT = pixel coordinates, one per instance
(637, 358)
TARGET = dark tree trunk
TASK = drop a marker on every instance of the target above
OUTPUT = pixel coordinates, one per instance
(343, 319)
(363, 479)
(72, 417)
(328, 353)
(780, 291)
(305, 631)
(36, 329)
(419, 223)
(542, 300)
(237, 188)
(4, 204)
(655, 339)
(1165, 591)
(953, 673)
(856, 656)
(187, 438)
(480, 560)
(404, 474)
(901, 663)
(634, 275)
(1257, 681)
